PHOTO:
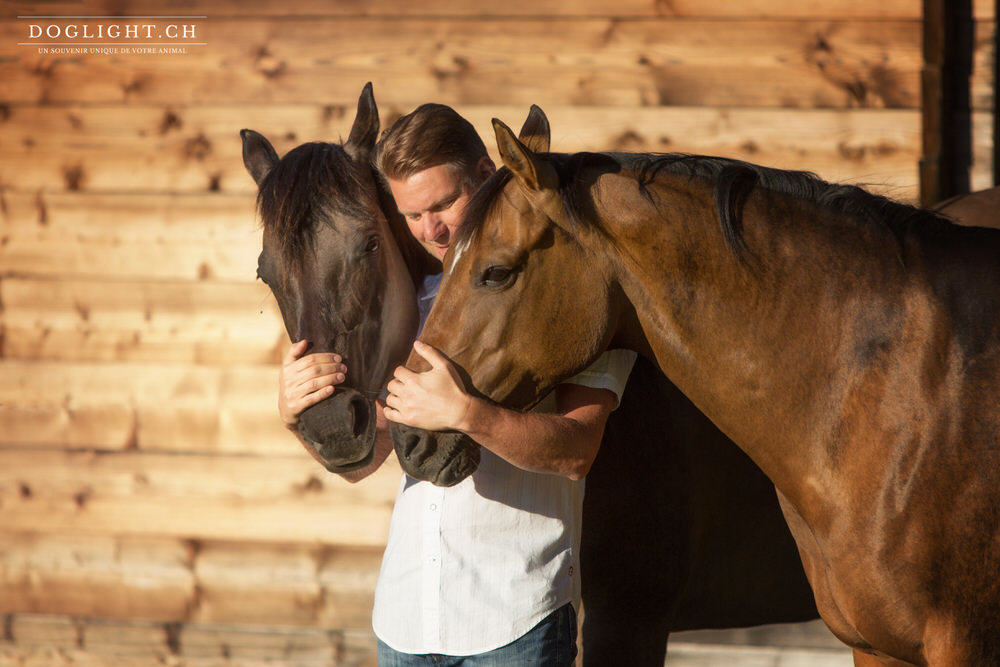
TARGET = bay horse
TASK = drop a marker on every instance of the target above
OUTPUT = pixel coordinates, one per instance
(710, 551)
(980, 208)
(849, 344)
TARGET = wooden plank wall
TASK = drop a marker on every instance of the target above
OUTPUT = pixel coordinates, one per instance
(152, 509)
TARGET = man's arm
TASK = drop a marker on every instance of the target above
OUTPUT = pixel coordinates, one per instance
(563, 443)
(306, 379)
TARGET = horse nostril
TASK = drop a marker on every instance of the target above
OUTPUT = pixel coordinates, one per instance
(359, 415)
(417, 447)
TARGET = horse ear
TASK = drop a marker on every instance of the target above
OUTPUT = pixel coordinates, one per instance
(259, 156)
(535, 132)
(535, 173)
(361, 142)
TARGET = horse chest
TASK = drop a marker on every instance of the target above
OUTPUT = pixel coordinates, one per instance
(860, 610)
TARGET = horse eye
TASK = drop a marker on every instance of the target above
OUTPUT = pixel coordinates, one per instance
(373, 245)
(497, 276)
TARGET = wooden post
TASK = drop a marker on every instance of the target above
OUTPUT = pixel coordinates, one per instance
(995, 165)
(947, 117)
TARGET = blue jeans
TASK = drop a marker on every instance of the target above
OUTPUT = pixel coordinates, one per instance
(551, 643)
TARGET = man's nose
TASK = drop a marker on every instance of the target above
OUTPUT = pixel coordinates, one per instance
(432, 226)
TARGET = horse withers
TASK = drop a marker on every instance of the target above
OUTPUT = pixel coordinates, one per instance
(343, 268)
(849, 344)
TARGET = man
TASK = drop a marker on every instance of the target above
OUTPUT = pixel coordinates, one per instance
(485, 572)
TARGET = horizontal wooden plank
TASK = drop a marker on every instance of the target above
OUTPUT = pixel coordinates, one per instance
(102, 143)
(316, 648)
(134, 236)
(185, 581)
(279, 499)
(96, 577)
(202, 322)
(214, 9)
(286, 585)
(150, 407)
(786, 63)
(142, 148)
(37, 640)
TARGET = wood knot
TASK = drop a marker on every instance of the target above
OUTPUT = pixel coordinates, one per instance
(312, 485)
(268, 65)
(334, 112)
(81, 498)
(73, 177)
(171, 121)
(197, 148)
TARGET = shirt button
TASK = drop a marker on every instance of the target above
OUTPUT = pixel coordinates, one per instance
(433, 507)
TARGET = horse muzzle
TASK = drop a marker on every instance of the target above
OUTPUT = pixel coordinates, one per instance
(442, 458)
(340, 430)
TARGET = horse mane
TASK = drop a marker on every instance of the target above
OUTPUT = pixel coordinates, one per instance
(734, 180)
(312, 182)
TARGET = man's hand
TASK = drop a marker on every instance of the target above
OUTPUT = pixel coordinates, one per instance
(434, 400)
(304, 381)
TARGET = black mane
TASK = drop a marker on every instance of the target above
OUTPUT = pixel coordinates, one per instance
(733, 179)
(311, 184)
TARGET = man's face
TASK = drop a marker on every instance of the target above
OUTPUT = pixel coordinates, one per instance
(432, 201)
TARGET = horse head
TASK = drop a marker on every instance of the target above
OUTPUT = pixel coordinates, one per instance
(335, 268)
(516, 240)
(343, 269)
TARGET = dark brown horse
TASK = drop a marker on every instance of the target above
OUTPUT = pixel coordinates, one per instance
(849, 344)
(696, 540)
(343, 268)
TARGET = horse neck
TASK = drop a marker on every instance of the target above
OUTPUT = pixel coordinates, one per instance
(418, 261)
(745, 341)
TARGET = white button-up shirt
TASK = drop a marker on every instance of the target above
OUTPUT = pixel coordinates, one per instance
(472, 567)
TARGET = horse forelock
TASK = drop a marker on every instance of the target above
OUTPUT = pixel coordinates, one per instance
(487, 198)
(484, 200)
(315, 183)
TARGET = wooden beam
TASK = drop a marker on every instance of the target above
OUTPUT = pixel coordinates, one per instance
(99, 145)
(947, 135)
(149, 407)
(40, 640)
(603, 62)
(203, 322)
(196, 497)
(542, 9)
(172, 580)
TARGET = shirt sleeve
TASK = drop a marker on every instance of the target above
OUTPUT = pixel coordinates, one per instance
(610, 371)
